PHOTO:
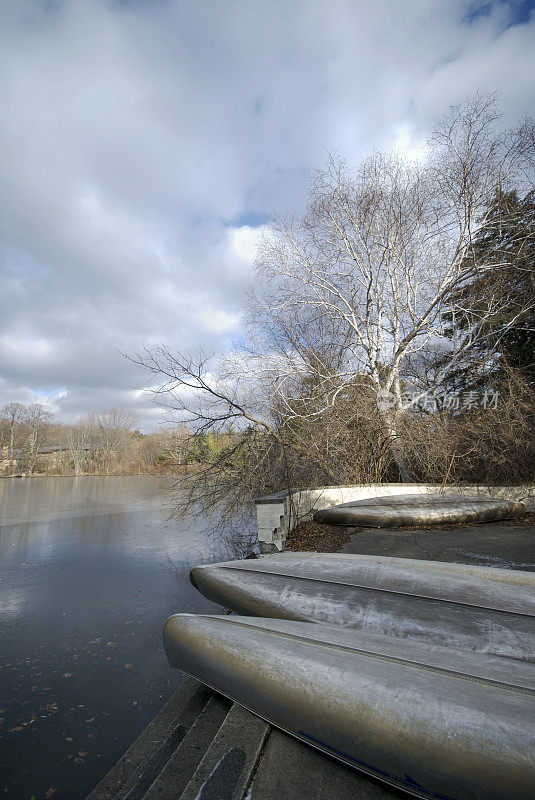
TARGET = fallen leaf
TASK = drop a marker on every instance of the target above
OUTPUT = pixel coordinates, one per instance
(51, 791)
(128, 666)
(68, 674)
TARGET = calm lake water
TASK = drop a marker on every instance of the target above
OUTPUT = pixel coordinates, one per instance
(90, 568)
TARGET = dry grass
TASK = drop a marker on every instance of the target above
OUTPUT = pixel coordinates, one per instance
(318, 537)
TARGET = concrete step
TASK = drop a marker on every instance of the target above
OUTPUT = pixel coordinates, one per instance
(183, 763)
(147, 756)
(228, 767)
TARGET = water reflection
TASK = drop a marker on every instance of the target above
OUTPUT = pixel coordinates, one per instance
(89, 570)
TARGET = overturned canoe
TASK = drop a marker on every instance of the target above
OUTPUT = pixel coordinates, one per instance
(419, 509)
(474, 608)
(434, 722)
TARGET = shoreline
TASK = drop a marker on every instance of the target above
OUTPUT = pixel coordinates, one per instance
(98, 475)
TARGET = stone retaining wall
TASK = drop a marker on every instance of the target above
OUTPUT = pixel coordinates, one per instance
(277, 514)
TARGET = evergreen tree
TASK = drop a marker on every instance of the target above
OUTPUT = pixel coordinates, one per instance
(509, 243)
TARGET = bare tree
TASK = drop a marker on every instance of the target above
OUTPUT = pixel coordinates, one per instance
(383, 250)
(353, 301)
(77, 438)
(174, 443)
(37, 421)
(110, 434)
(15, 415)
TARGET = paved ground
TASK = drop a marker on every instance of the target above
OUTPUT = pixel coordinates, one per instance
(489, 544)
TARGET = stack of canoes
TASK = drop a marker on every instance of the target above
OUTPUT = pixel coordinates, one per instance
(419, 673)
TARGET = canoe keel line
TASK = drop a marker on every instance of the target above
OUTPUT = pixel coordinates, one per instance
(437, 723)
(405, 782)
(481, 609)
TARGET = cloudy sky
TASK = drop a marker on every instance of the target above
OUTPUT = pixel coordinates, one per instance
(144, 143)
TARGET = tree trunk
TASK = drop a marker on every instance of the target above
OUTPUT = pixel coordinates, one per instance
(391, 423)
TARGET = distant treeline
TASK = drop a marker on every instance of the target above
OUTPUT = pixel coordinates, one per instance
(104, 442)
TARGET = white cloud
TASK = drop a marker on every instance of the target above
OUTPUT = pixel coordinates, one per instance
(144, 144)
(406, 142)
(218, 321)
(244, 242)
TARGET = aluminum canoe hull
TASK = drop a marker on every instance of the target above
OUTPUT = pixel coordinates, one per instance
(419, 509)
(473, 608)
(431, 721)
